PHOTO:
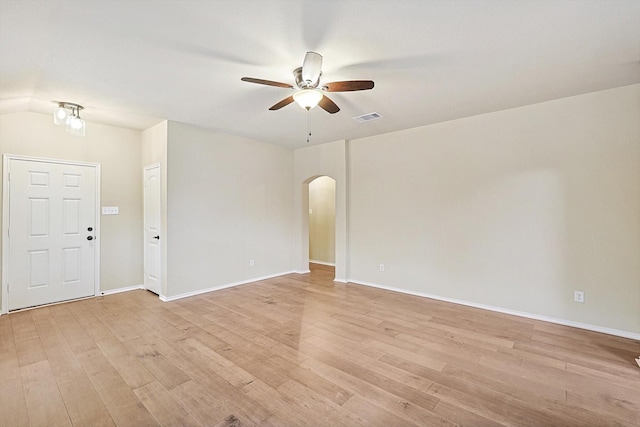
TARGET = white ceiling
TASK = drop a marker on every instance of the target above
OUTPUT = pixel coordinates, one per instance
(135, 63)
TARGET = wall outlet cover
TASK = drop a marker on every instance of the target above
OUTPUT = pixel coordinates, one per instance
(110, 210)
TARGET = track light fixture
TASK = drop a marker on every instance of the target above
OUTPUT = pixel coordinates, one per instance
(68, 114)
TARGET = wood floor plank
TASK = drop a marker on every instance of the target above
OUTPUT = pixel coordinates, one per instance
(84, 406)
(233, 397)
(230, 421)
(283, 407)
(9, 366)
(24, 328)
(163, 406)
(320, 410)
(30, 351)
(398, 406)
(375, 415)
(128, 366)
(299, 350)
(13, 405)
(45, 405)
(119, 399)
(321, 385)
(205, 406)
(160, 366)
(462, 416)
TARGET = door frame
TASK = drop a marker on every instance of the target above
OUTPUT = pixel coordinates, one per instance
(6, 159)
(144, 225)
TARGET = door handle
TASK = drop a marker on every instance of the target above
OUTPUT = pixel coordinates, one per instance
(89, 237)
(156, 237)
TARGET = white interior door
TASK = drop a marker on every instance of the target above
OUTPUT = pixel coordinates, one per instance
(152, 226)
(52, 230)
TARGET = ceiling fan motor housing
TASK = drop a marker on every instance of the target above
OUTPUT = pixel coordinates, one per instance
(301, 83)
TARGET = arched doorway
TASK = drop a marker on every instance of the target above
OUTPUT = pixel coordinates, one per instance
(322, 224)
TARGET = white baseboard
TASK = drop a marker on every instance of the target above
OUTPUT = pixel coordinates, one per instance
(340, 280)
(595, 328)
(330, 264)
(118, 290)
(302, 271)
(217, 288)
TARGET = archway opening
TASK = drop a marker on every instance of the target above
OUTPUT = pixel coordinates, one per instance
(322, 225)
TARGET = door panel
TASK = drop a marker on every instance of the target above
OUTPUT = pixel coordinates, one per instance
(51, 207)
(152, 226)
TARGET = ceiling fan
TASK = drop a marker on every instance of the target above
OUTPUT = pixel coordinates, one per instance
(309, 91)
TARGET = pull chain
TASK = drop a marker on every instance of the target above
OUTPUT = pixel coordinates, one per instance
(308, 125)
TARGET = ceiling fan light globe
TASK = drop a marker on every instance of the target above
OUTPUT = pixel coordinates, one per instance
(307, 98)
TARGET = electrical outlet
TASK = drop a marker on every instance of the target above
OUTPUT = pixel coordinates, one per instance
(252, 263)
(381, 267)
(578, 296)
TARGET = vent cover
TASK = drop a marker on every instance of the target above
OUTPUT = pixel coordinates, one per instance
(367, 117)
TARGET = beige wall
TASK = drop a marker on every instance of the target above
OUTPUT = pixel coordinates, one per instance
(118, 151)
(514, 209)
(322, 220)
(228, 201)
(309, 163)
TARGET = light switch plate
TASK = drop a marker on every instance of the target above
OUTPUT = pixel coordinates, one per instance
(109, 210)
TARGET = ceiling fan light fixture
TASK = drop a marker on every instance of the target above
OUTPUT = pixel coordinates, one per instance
(308, 98)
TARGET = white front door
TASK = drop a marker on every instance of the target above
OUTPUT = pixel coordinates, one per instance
(52, 230)
(152, 226)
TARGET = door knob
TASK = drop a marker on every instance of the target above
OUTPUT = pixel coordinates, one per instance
(89, 237)
(156, 237)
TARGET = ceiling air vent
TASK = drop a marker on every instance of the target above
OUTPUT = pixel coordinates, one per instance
(367, 117)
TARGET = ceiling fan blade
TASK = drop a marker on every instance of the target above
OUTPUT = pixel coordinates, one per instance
(311, 68)
(288, 100)
(348, 86)
(266, 82)
(328, 105)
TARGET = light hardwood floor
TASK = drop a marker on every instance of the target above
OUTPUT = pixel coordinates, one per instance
(303, 350)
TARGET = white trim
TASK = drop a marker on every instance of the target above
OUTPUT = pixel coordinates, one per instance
(330, 264)
(6, 158)
(341, 280)
(4, 308)
(301, 271)
(97, 229)
(118, 290)
(595, 328)
(217, 288)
